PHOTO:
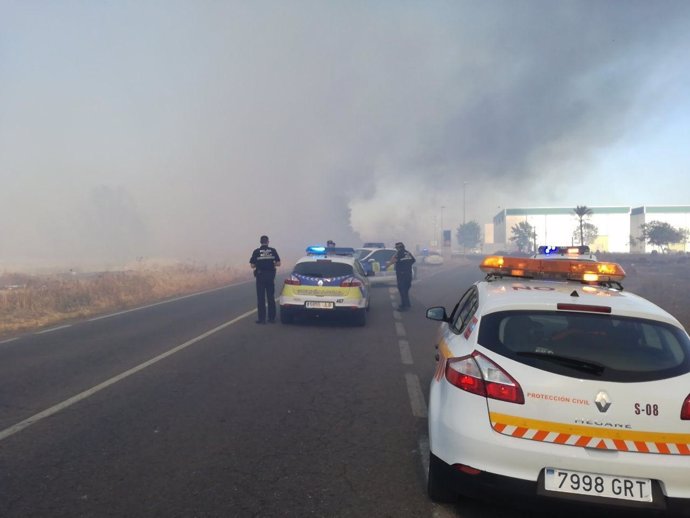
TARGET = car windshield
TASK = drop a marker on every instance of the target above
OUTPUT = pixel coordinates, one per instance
(615, 348)
(381, 256)
(324, 269)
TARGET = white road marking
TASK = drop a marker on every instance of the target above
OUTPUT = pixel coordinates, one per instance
(424, 450)
(417, 402)
(52, 329)
(438, 510)
(416, 396)
(4, 434)
(164, 302)
(405, 353)
(400, 329)
(9, 340)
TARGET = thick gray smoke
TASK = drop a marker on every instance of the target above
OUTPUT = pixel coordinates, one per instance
(187, 129)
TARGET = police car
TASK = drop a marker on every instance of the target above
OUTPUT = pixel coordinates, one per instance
(326, 281)
(555, 385)
(374, 262)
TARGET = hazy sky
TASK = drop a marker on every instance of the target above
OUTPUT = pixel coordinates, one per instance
(185, 129)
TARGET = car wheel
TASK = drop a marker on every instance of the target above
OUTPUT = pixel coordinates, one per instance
(285, 317)
(436, 487)
(361, 317)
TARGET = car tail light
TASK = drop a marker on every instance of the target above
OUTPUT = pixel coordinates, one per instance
(292, 281)
(351, 282)
(685, 409)
(479, 375)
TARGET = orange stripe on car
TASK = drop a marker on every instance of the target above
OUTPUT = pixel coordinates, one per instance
(591, 437)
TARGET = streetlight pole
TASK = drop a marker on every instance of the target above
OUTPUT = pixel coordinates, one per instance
(464, 213)
(464, 202)
(443, 236)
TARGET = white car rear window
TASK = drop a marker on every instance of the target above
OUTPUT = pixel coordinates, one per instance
(590, 345)
(323, 268)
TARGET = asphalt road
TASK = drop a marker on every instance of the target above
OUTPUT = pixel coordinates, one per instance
(190, 409)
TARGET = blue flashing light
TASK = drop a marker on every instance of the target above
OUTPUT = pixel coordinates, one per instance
(563, 250)
(330, 250)
(316, 250)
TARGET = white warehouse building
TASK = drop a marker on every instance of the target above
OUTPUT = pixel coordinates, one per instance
(618, 227)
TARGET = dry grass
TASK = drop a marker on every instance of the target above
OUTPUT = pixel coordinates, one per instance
(663, 279)
(29, 302)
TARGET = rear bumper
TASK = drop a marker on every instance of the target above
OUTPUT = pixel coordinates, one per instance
(529, 494)
(300, 309)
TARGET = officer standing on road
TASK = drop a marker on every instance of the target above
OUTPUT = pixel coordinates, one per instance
(403, 261)
(264, 261)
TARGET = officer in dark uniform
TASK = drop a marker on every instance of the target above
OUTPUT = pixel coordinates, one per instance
(264, 261)
(403, 261)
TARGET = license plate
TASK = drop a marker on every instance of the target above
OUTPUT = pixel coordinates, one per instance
(318, 304)
(595, 484)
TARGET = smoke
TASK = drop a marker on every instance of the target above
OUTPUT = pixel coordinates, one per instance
(187, 130)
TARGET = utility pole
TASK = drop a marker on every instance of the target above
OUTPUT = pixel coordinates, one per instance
(464, 213)
(464, 202)
(443, 235)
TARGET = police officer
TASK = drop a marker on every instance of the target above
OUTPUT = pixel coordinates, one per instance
(264, 261)
(403, 261)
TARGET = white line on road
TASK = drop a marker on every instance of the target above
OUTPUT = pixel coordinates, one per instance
(9, 340)
(4, 434)
(52, 329)
(164, 302)
(405, 353)
(438, 511)
(424, 452)
(416, 396)
(400, 329)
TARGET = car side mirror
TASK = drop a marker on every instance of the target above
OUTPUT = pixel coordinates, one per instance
(437, 313)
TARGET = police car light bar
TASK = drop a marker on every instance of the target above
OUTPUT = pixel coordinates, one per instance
(332, 250)
(563, 250)
(587, 271)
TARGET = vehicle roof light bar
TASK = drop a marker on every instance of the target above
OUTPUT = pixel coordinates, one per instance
(563, 250)
(330, 250)
(573, 269)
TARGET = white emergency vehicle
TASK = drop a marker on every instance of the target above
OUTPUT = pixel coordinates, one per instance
(553, 384)
(328, 280)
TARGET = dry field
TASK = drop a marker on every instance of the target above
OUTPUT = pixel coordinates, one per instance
(34, 302)
(29, 302)
(663, 279)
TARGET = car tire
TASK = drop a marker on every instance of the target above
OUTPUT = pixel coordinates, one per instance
(361, 317)
(436, 487)
(286, 318)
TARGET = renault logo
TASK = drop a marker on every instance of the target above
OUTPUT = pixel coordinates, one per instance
(602, 401)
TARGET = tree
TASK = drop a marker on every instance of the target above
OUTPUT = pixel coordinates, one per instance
(469, 234)
(523, 234)
(587, 230)
(582, 211)
(662, 234)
